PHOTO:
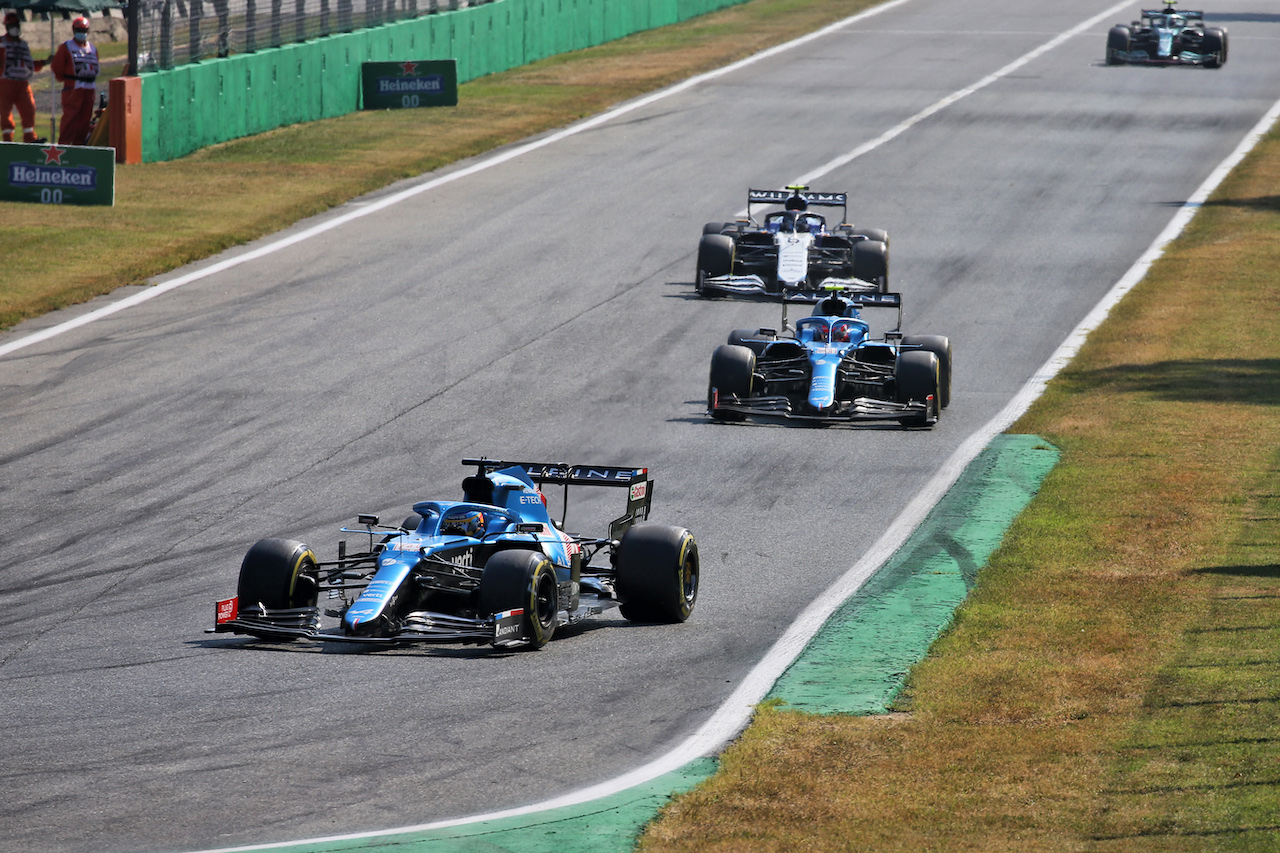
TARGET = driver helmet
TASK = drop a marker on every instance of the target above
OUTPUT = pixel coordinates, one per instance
(462, 522)
(840, 334)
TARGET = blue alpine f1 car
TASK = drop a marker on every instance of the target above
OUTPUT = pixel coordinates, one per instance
(493, 568)
(1167, 36)
(828, 369)
(791, 252)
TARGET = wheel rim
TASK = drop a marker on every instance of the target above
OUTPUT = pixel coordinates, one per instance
(544, 599)
(689, 580)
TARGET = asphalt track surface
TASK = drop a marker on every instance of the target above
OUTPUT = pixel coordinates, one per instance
(540, 309)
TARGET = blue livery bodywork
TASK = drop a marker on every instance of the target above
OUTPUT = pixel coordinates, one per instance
(828, 369)
(494, 567)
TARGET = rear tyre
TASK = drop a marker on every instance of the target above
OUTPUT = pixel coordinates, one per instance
(749, 338)
(658, 573)
(916, 377)
(715, 258)
(878, 235)
(278, 574)
(871, 263)
(732, 373)
(1117, 44)
(1215, 43)
(522, 580)
(940, 346)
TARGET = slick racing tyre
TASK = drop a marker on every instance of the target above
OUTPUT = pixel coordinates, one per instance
(716, 227)
(749, 338)
(916, 377)
(278, 574)
(658, 573)
(878, 235)
(732, 372)
(1117, 45)
(940, 346)
(1215, 43)
(871, 263)
(715, 258)
(522, 580)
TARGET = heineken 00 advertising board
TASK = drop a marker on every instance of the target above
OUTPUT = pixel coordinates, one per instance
(404, 85)
(57, 174)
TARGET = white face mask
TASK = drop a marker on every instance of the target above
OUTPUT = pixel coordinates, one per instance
(15, 31)
(81, 37)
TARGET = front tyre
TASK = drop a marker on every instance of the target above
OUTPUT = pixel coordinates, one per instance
(916, 375)
(522, 580)
(1215, 45)
(732, 374)
(278, 574)
(1118, 44)
(871, 263)
(940, 346)
(658, 573)
(715, 258)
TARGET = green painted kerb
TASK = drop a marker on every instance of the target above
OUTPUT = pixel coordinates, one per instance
(859, 660)
(607, 825)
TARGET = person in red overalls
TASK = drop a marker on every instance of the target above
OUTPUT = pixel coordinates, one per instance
(16, 68)
(76, 65)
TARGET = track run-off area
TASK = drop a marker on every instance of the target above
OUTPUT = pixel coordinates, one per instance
(538, 304)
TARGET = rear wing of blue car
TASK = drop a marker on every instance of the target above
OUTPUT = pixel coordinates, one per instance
(635, 480)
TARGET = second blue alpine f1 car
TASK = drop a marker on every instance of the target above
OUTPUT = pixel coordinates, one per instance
(493, 568)
(827, 369)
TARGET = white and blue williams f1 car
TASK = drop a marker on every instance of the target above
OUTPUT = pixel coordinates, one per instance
(1167, 36)
(791, 253)
(827, 369)
(493, 568)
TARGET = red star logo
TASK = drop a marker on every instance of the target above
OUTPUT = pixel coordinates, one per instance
(52, 154)
(408, 68)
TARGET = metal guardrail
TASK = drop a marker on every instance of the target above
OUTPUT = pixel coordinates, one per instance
(171, 33)
(177, 32)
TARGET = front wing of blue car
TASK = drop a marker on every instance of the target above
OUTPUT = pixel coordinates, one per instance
(858, 409)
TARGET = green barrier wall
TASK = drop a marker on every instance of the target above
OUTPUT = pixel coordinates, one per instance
(197, 105)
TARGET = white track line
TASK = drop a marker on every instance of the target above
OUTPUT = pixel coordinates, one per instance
(732, 716)
(394, 199)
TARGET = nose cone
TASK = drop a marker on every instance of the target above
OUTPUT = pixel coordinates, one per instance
(822, 387)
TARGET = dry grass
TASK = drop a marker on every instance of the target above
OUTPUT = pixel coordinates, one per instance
(1111, 683)
(169, 214)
